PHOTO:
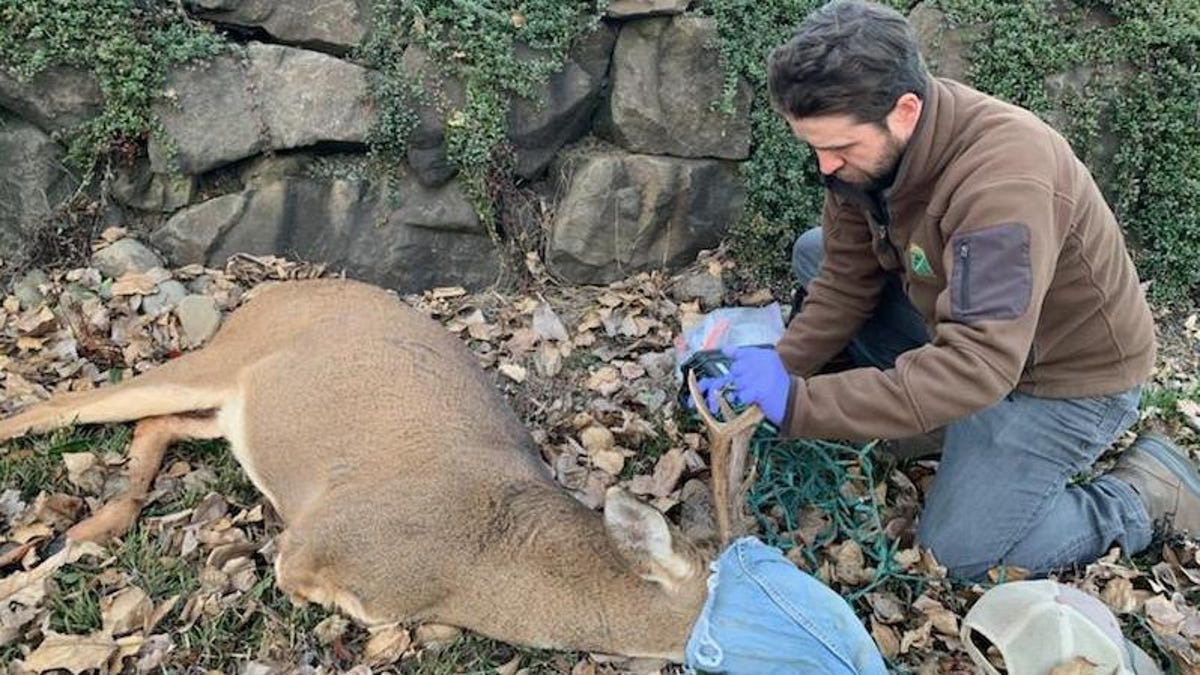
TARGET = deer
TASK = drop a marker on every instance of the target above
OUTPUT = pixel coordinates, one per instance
(408, 489)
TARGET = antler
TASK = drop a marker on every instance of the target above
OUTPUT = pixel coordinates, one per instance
(728, 447)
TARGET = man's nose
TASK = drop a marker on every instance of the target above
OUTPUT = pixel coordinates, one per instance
(828, 162)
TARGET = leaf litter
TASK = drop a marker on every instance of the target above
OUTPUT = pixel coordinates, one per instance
(589, 369)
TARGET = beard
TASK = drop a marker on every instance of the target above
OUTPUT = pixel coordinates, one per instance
(877, 177)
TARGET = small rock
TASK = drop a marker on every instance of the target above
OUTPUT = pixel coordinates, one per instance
(28, 289)
(124, 257)
(199, 318)
(169, 293)
(699, 285)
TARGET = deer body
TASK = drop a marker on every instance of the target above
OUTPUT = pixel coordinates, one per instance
(408, 487)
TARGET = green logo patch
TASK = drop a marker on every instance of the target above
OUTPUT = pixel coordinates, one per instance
(918, 262)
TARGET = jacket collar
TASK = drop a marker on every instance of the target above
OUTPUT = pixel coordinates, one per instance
(923, 158)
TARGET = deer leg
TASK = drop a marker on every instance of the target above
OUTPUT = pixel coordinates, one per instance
(151, 438)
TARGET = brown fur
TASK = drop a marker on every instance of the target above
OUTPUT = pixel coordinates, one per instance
(409, 489)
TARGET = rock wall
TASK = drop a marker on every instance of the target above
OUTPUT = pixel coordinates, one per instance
(639, 169)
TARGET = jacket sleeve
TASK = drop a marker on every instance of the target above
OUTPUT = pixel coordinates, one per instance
(1002, 246)
(840, 298)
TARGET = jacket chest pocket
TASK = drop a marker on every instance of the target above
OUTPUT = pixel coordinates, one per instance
(992, 278)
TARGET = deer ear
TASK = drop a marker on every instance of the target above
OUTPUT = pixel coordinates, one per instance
(645, 538)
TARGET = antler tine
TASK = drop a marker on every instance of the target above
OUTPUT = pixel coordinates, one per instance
(728, 446)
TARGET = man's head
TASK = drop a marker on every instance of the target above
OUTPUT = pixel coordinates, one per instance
(850, 83)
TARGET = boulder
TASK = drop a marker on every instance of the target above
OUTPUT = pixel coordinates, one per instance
(434, 237)
(667, 83)
(624, 213)
(628, 9)
(55, 99)
(125, 256)
(328, 25)
(33, 182)
(276, 98)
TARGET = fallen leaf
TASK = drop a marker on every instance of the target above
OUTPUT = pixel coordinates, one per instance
(605, 380)
(446, 292)
(918, 637)
(84, 471)
(1164, 617)
(1076, 666)
(596, 438)
(140, 283)
(886, 608)
(609, 461)
(386, 646)
(885, 638)
(74, 653)
(667, 472)
(944, 621)
(1190, 411)
(547, 324)
(850, 564)
(1118, 595)
(549, 358)
(514, 372)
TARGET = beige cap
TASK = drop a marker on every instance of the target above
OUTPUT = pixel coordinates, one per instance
(1040, 625)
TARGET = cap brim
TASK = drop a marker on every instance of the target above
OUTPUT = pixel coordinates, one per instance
(1141, 661)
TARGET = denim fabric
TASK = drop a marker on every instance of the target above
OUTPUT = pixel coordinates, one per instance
(764, 616)
(1002, 494)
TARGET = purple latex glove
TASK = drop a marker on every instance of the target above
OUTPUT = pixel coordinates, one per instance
(757, 376)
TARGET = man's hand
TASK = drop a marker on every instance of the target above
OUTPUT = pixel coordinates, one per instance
(756, 376)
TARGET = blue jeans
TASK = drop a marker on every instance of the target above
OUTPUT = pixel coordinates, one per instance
(1002, 493)
(764, 616)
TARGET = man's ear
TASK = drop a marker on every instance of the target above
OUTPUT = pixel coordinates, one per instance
(904, 115)
(644, 537)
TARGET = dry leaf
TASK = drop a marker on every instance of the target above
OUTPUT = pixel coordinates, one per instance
(1190, 411)
(918, 638)
(850, 564)
(144, 283)
(1077, 666)
(1118, 595)
(514, 372)
(596, 438)
(944, 621)
(446, 292)
(75, 653)
(386, 646)
(886, 608)
(605, 380)
(547, 324)
(609, 461)
(84, 471)
(667, 472)
(126, 611)
(1164, 617)
(885, 638)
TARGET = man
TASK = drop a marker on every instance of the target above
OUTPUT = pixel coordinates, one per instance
(972, 271)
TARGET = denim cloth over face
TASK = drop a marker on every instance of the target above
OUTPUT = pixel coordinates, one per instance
(764, 616)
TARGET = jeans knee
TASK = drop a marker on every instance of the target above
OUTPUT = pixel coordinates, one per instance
(807, 252)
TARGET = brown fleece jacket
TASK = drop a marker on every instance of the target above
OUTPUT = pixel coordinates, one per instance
(1008, 250)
